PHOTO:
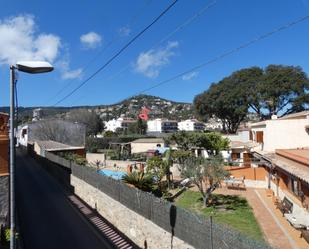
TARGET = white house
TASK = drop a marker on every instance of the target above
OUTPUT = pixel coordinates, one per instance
(113, 124)
(22, 135)
(59, 130)
(290, 131)
(214, 124)
(161, 126)
(37, 114)
(191, 125)
(122, 123)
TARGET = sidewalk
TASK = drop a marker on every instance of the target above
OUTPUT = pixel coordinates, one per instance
(277, 231)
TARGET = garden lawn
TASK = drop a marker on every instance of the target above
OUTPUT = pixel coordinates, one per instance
(231, 210)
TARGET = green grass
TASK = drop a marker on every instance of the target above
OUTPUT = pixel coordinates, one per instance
(230, 210)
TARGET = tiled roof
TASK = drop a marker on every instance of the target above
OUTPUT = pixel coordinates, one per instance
(291, 163)
(294, 168)
(297, 155)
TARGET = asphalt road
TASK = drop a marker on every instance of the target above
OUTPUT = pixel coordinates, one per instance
(46, 217)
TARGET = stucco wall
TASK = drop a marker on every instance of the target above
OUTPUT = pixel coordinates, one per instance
(93, 157)
(144, 147)
(249, 173)
(284, 134)
(141, 230)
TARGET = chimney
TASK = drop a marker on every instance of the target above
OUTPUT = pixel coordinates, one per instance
(273, 117)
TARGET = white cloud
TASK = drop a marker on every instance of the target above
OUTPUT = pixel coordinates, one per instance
(124, 31)
(20, 41)
(150, 63)
(91, 40)
(73, 74)
(189, 76)
(66, 72)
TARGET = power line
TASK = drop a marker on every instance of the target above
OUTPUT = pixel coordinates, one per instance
(111, 42)
(180, 27)
(177, 29)
(225, 54)
(118, 53)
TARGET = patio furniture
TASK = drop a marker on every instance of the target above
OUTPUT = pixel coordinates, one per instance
(298, 219)
(285, 206)
(235, 182)
(295, 221)
(185, 182)
(305, 234)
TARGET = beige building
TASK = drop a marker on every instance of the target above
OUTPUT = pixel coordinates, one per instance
(145, 144)
(290, 131)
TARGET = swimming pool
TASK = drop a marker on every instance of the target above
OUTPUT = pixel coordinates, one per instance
(110, 173)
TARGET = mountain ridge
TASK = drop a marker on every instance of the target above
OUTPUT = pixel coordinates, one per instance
(129, 107)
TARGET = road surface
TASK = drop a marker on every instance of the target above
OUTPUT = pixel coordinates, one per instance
(47, 219)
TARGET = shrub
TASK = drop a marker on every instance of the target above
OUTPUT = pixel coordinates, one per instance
(139, 180)
(73, 157)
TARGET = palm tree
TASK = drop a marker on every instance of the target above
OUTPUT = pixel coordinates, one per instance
(139, 180)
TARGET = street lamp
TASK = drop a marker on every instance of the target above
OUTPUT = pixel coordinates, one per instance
(32, 67)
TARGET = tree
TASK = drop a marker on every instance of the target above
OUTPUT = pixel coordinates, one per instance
(206, 174)
(58, 130)
(213, 142)
(277, 89)
(139, 180)
(138, 127)
(283, 90)
(184, 140)
(160, 167)
(90, 119)
(226, 100)
(180, 156)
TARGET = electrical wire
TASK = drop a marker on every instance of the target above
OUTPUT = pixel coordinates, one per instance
(180, 27)
(225, 54)
(109, 44)
(177, 29)
(118, 53)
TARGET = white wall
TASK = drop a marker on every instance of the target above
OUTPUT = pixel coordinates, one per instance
(241, 136)
(144, 147)
(92, 158)
(187, 125)
(284, 134)
(154, 125)
(113, 124)
(22, 140)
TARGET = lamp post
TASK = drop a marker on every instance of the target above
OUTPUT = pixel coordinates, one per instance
(32, 67)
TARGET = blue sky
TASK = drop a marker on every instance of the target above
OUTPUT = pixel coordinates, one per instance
(70, 34)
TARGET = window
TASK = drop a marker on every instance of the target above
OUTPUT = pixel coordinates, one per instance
(23, 133)
(235, 156)
(259, 137)
(295, 186)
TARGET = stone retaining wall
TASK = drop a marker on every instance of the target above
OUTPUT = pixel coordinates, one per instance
(142, 231)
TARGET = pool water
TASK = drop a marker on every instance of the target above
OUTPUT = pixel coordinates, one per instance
(110, 173)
